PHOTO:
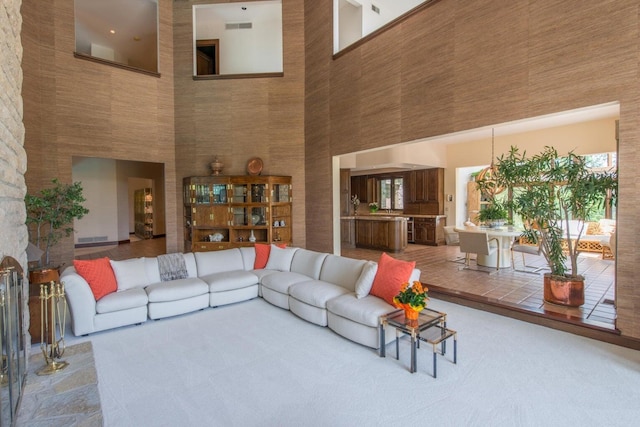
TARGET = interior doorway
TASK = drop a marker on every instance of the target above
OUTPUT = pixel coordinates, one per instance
(208, 57)
(109, 198)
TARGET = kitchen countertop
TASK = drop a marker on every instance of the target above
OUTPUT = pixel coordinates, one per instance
(389, 217)
(376, 217)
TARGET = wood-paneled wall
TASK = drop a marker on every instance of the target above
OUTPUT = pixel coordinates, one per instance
(237, 119)
(74, 107)
(458, 65)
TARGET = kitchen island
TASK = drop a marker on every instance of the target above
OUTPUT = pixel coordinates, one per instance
(385, 232)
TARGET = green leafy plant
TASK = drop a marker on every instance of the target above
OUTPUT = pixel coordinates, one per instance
(492, 212)
(548, 190)
(50, 215)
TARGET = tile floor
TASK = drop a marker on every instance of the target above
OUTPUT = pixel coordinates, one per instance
(512, 288)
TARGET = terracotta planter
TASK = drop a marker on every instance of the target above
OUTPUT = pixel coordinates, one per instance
(564, 290)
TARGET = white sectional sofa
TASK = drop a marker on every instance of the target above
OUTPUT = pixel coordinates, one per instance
(324, 289)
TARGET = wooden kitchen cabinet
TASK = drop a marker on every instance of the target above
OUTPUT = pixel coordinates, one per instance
(359, 188)
(424, 192)
(429, 230)
(380, 233)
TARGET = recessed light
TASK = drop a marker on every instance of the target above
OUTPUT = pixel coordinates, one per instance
(112, 31)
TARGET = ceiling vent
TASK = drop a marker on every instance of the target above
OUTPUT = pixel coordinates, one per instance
(238, 26)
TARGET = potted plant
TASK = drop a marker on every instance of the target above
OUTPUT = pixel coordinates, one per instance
(50, 215)
(494, 214)
(547, 191)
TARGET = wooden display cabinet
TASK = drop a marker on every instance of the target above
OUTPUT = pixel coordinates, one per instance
(222, 212)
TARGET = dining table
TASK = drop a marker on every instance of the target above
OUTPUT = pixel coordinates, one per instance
(505, 236)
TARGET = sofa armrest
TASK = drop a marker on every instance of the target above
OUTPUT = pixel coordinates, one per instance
(81, 302)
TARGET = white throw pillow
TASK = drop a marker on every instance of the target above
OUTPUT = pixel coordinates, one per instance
(280, 258)
(365, 281)
(130, 273)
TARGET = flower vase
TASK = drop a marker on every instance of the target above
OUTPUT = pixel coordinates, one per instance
(252, 237)
(411, 314)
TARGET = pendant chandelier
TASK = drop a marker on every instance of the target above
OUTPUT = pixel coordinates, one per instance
(489, 173)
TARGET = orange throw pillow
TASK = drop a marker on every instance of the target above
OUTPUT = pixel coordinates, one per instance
(391, 275)
(262, 254)
(98, 274)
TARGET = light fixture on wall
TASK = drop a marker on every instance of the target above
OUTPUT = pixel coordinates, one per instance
(489, 173)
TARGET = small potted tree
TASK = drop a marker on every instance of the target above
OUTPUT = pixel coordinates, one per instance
(547, 191)
(50, 216)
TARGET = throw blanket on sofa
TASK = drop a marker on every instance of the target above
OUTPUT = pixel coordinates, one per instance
(172, 267)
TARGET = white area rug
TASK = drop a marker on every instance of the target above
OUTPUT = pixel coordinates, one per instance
(253, 364)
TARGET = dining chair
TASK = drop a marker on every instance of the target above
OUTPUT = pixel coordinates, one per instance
(452, 238)
(478, 243)
(516, 246)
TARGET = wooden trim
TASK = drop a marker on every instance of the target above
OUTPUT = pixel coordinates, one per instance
(115, 64)
(384, 28)
(239, 76)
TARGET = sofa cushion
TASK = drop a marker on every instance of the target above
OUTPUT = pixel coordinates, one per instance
(365, 281)
(316, 292)
(342, 271)
(280, 258)
(219, 261)
(176, 290)
(125, 300)
(366, 311)
(391, 275)
(248, 257)
(98, 274)
(281, 280)
(230, 280)
(308, 263)
(262, 252)
(130, 273)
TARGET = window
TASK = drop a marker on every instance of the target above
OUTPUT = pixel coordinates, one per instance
(391, 193)
(236, 39)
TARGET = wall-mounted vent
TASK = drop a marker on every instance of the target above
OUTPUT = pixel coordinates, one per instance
(238, 26)
(92, 239)
(375, 8)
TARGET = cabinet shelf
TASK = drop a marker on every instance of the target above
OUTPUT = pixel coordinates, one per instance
(236, 207)
(143, 213)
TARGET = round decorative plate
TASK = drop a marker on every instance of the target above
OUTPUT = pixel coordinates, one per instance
(254, 166)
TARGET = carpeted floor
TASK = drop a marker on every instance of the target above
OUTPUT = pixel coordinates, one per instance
(253, 364)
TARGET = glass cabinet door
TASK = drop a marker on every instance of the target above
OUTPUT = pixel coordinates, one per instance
(281, 193)
(250, 216)
(239, 193)
(199, 194)
(259, 193)
(219, 193)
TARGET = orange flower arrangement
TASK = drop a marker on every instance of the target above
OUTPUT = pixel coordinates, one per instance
(412, 298)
